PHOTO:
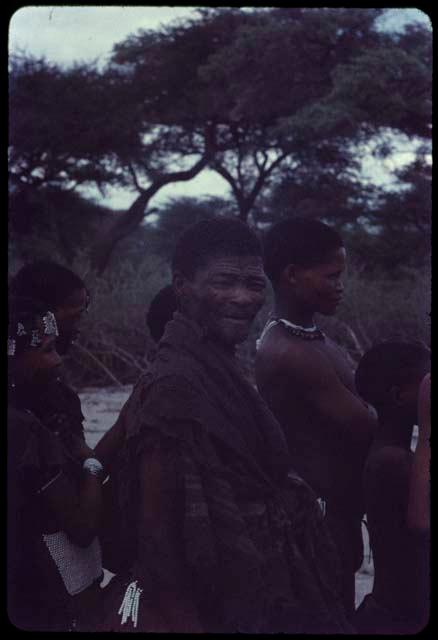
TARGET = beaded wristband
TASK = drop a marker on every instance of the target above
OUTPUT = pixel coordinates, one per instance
(93, 466)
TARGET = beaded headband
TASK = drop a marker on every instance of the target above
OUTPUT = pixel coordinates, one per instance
(32, 336)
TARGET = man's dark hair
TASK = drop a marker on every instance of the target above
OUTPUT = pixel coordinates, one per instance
(298, 241)
(213, 238)
(386, 365)
(47, 281)
(161, 311)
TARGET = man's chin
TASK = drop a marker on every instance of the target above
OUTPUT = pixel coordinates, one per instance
(63, 345)
(232, 339)
(46, 378)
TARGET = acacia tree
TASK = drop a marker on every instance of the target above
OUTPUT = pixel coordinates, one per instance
(290, 92)
(80, 126)
(250, 94)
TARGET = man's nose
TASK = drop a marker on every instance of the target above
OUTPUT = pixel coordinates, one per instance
(244, 296)
(56, 360)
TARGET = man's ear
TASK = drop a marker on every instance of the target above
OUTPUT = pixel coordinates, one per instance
(289, 274)
(182, 287)
(179, 283)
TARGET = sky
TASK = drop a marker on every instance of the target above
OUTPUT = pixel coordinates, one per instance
(68, 34)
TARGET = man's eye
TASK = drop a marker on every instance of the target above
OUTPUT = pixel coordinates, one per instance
(257, 286)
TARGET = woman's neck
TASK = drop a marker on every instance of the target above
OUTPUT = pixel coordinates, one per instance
(289, 310)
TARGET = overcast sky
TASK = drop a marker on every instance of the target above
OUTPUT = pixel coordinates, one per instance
(67, 34)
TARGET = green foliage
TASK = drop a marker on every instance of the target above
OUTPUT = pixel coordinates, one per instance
(61, 220)
(327, 79)
(379, 307)
(176, 215)
(282, 96)
(114, 337)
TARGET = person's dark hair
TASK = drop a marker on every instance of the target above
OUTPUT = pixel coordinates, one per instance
(47, 281)
(21, 305)
(161, 311)
(386, 365)
(297, 241)
(213, 238)
(27, 313)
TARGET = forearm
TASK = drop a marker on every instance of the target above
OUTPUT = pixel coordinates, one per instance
(418, 512)
(161, 546)
(77, 510)
(107, 448)
(89, 510)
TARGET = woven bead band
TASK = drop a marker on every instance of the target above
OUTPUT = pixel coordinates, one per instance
(93, 466)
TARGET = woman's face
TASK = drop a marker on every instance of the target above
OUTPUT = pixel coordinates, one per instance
(320, 288)
(68, 318)
(38, 365)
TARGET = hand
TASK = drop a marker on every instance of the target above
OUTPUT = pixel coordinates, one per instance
(80, 450)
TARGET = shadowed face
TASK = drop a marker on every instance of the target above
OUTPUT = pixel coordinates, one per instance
(405, 396)
(224, 296)
(68, 317)
(37, 365)
(319, 288)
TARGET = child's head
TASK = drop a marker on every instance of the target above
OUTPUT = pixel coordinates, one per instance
(160, 311)
(389, 375)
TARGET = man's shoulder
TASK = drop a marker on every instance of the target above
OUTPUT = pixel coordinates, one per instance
(21, 419)
(166, 391)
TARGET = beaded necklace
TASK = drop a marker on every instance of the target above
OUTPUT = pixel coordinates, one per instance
(307, 333)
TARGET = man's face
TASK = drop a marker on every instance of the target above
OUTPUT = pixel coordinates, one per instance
(68, 317)
(320, 288)
(224, 296)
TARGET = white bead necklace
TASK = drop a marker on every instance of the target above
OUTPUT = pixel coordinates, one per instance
(308, 333)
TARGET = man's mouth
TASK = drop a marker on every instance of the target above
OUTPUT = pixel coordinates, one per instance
(238, 319)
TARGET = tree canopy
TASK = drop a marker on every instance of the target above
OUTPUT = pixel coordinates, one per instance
(274, 100)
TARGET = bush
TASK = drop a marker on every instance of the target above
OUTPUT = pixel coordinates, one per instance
(114, 337)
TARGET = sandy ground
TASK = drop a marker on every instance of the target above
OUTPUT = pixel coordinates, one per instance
(101, 408)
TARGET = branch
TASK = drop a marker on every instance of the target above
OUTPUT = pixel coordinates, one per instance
(221, 170)
(99, 363)
(261, 166)
(276, 162)
(124, 356)
(102, 249)
(134, 177)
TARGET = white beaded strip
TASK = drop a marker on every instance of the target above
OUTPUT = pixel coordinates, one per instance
(130, 603)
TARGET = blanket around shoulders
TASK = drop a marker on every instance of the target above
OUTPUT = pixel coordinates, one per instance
(255, 539)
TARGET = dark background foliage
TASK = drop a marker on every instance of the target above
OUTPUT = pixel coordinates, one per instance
(283, 104)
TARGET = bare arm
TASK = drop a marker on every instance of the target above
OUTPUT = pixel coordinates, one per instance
(78, 512)
(107, 448)
(160, 543)
(345, 412)
(418, 512)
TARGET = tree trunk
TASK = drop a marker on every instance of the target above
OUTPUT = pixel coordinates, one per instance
(102, 249)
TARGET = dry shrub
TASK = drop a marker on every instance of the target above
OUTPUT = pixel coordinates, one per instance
(114, 337)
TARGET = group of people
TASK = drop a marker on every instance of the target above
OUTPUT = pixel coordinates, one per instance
(220, 506)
